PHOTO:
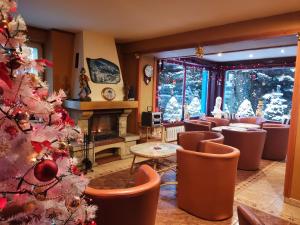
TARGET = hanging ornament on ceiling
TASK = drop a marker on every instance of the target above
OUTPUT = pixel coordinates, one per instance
(45, 170)
(199, 52)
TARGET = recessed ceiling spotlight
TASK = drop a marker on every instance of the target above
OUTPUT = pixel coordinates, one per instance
(220, 54)
(250, 55)
(282, 50)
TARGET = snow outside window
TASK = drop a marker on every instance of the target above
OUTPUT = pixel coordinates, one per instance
(180, 87)
(34, 54)
(274, 86)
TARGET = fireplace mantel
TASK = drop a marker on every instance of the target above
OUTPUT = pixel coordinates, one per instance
(98, 105)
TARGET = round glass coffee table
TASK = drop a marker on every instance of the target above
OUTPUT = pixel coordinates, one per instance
(221, 128)
(154, 151)
(245, 125)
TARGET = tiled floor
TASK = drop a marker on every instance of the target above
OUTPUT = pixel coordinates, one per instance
(261, 190)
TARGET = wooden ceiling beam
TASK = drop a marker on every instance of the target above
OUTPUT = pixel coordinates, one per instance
(280, 25)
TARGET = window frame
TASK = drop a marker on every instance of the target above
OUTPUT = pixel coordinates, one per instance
(204, 85)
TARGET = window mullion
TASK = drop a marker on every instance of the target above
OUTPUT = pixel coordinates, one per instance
(183, 90)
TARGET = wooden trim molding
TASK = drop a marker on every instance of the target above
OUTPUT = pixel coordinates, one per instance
(154, 88)
(280, 25)
(293, 128)
(97, 105)
(292, 201)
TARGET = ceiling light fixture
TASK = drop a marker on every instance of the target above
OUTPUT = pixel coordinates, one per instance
(199, 52)
(282, 50)
(220, 54)
(250, 55)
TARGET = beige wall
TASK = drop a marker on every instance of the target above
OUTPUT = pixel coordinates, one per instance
(146, 91)
(96, 45)
(146, 95)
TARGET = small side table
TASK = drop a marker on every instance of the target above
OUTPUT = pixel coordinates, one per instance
(146, 133)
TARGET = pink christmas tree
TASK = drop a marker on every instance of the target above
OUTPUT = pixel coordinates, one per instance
(39, 181)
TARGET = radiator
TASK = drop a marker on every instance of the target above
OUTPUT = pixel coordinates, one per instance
(171, 133)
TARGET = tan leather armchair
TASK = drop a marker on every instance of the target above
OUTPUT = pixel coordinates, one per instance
(131, 206)
(276, 144)
(250, 143)
(196, 125)
(206, 181)
(216, 122)
(247, 217)
(193, 140)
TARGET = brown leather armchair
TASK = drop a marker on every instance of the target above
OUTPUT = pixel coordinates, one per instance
(193, 140)
(276, 141)
(250, 143)
(247, 217)
(196, 125)
(131, 206)
(216, 122)
(206, 181)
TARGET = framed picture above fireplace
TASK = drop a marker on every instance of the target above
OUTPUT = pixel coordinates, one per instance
(103, 71)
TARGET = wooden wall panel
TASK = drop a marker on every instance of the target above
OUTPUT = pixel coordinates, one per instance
(292, 181)
(62, 48)
(130, 67)
(38, 35)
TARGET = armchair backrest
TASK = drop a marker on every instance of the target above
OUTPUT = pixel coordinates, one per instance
(193, 140)
(131, 206)
(197, 125)
(216, 122)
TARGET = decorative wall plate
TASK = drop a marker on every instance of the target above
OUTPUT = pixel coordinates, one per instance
(108, 94)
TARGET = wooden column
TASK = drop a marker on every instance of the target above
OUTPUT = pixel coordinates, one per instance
(292, 179)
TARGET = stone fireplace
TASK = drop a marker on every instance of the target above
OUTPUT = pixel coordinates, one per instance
(106, 124)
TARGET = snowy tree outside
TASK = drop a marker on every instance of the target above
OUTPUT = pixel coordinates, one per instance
(194, 107)
(245, 109)
(255, 84)
(173, 111)
(276, 108)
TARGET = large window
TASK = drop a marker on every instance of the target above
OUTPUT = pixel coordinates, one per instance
(181, 91)
(273, 87)
(36, 52)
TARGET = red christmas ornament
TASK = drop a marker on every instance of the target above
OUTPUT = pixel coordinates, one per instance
(45, 170)
(3, 202)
